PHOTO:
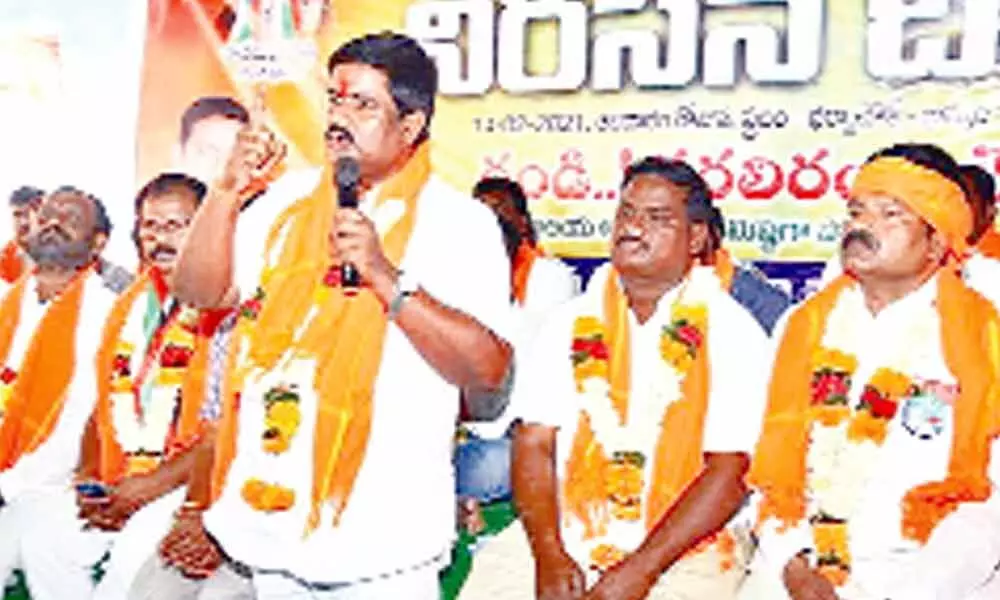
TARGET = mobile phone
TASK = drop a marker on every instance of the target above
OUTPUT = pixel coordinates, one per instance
(92, 489)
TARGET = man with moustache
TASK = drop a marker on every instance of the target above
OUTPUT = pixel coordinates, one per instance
(49, 334)
(24, 202)
(337, 482)
(875, 457)
(143, 436)
(639, 402)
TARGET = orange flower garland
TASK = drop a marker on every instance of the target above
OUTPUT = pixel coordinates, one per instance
(868, 421)
(282, 417)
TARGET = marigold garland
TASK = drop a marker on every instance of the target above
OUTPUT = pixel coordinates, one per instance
(868, 421)
(607, 468)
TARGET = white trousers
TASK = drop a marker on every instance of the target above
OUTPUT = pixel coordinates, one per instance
(157, 581)
(58, 557)
(505, 570)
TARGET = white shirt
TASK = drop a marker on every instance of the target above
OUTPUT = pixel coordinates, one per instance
(253, 226)
(550, 284)
(738, 355)
(882, 560)
(982, 274)
(401, 512)
(54, 461)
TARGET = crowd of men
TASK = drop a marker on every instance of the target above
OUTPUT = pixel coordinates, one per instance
(237, 420)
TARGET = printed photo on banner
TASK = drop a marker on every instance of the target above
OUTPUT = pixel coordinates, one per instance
(774, 102)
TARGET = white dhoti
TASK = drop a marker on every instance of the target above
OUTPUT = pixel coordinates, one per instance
(505, 570)
(17, 518)
(59, 556)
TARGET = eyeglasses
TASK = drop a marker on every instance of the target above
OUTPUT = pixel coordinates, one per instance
(168, 227)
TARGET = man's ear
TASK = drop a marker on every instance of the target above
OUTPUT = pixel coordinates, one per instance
(413, 124)
(100, 241)
(699, 239)
(938, 248)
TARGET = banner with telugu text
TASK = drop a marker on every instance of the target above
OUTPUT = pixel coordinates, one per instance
(775, 102)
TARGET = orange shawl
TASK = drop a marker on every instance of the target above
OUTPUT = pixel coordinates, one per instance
(524, 260)
(678, 456)
(970, 337)
(345, 337)
(11, 263)
(725, 268)
(39, 391)
(111, 467)
(989, 244)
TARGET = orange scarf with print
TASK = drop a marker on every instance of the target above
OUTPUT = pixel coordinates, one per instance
(524, 260)
(112, 459)
(39, 392)
(678, 456)
(970, 337)
(345, 336)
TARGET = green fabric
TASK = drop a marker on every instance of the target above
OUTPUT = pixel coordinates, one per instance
(497, 516)
(151, 320)
(18, 591)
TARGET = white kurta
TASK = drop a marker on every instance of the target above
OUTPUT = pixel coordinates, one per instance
(51, 465)
(916, 451)
(401, 512)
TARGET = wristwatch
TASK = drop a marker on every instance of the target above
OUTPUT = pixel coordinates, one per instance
(406, 286)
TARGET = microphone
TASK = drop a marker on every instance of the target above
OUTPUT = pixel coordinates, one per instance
(346, 174)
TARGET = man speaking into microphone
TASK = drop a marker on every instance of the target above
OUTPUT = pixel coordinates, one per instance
(334, 479)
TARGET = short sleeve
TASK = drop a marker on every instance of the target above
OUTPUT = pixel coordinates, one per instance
(460, 259)
(740, 356)
(544, 390)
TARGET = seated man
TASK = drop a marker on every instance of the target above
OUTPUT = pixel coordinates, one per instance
(747, 285)
(49, 335)
(640, 402)
(139, 446)
(875, 452)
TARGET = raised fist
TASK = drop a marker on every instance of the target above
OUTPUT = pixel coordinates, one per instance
(257, 155)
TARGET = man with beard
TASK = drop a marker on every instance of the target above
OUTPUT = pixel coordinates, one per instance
(334, 478)
(49, 334)
(875, 457)
(141, 442)
(24, 203)
(640, 402)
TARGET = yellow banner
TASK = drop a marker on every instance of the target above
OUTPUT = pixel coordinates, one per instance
(773, 101)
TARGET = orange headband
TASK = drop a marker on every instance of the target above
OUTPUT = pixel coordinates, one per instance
(937, 199)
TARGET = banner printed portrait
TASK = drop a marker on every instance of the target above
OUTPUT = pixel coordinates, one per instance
(774, 102)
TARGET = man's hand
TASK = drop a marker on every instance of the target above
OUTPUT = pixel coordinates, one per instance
(112, 512)
(188, 547)
(804, 583)
(355, 240)
(625, 581)
(257, 152)
(559, 578)
(470, 516)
